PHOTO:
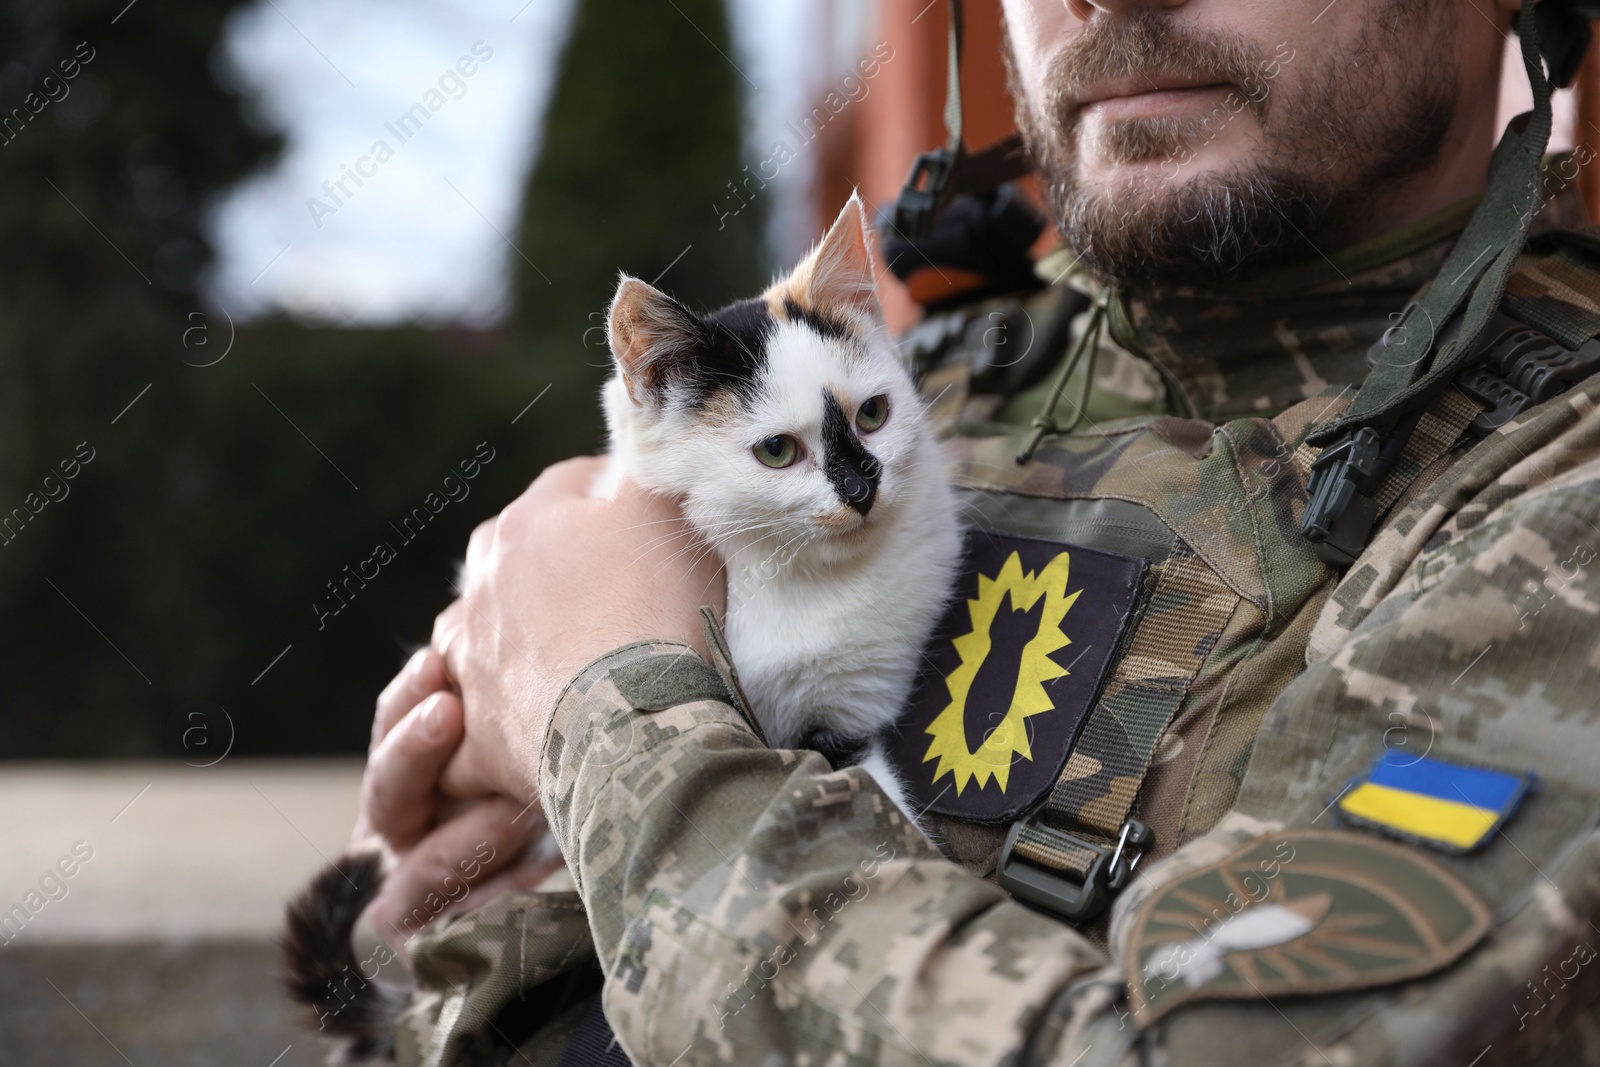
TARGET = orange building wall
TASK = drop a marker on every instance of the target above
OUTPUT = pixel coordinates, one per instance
(904, 114)
(1588, 132)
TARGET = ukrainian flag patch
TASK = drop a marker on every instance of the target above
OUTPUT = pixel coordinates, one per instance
(1448, 806)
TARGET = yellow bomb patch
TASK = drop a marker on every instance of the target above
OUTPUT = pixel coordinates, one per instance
(1011, 672)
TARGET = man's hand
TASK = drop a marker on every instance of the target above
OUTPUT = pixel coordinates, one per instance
(449, 855)
(557, 579)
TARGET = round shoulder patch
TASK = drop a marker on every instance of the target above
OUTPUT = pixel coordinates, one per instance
(1302, 911)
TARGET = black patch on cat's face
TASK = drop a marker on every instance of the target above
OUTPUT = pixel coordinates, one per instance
(851, 468)
(732, 353)
(824, 324)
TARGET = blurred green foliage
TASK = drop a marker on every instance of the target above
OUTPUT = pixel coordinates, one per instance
(640, 143)
(207, 526)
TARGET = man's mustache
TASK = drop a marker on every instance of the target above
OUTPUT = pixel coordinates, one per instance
(1147, 46)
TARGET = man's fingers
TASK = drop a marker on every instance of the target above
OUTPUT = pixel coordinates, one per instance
(399, 789)
(466, 775)
(423, 674)
(447, 864)
(448, 626)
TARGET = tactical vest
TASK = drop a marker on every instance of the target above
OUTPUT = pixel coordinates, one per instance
(1136, 596)
(1154, 583)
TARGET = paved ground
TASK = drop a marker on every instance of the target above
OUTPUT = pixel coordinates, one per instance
(153, 1005)
(158, 949)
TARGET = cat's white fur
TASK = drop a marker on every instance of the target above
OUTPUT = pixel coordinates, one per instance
(828, 612)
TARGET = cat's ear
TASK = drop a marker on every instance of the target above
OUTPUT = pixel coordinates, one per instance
(837, 275)
(652, 337)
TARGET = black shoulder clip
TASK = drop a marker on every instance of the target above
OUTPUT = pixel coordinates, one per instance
(951, 170)
(1513, 367)
(1339, 516)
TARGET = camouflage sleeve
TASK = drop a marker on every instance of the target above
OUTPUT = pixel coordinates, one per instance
(470, 967)
(751, 904)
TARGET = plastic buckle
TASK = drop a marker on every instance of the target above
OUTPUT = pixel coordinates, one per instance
(1055, 891)
(1501, 401)
(1519, 367)
(920, 196)
(1339, 516)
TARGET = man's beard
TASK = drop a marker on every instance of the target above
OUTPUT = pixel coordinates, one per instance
(1329, 147)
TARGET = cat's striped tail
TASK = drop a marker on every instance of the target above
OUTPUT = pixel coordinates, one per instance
(322, 970)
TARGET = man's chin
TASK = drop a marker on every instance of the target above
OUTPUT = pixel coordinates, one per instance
(1114, 179)
(1148, 226)
(1165, 160)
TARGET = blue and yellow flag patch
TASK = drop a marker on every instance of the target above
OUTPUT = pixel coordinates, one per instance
(1432, 802)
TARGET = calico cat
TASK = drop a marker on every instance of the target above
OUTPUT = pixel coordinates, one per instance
(793, 436)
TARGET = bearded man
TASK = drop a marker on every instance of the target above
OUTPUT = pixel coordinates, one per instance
(1312, 372)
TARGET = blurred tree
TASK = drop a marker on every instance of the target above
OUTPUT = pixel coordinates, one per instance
(642, 139)
(202, 539)
(114, 136)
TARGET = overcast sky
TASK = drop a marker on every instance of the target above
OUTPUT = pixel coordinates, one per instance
(424, 234)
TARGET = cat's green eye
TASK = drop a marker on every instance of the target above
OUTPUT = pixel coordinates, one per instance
(874, 411)
(779, 450)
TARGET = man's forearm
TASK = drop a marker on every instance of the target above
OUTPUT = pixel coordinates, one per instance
(746, 900)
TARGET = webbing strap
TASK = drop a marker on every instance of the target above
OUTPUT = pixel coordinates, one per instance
(1188, 609)
(1438, 337)
(986, 168)
(1440, 427)
(938, 176)
(1357, 479)
(1412, 366)
(1038, 845)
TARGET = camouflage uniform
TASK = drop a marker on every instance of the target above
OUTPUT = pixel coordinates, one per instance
(748, 905)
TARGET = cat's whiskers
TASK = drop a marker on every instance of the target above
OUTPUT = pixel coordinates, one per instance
(651, 522)
(693, 529)
(709, 546)
(701, 525)
(805, 534)
(727, 538)
(718, 541)
(650, 545)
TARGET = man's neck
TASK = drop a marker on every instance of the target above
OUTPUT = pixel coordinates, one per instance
(1258, 346)
(1411, 201)
(1460, 171)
